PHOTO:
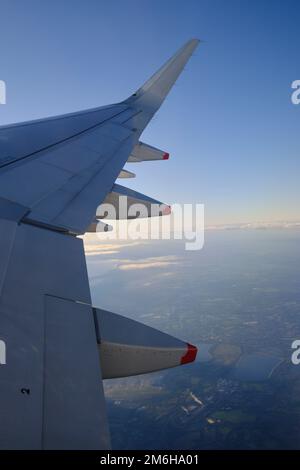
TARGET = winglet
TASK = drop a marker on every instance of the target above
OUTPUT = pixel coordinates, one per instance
(153, 92)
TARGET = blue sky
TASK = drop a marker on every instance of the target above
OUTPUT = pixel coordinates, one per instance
(228, 124)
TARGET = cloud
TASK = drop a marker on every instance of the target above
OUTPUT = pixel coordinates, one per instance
(93, 249)
(255, 226)
(157, 278)
(148, 263)
(94, 252)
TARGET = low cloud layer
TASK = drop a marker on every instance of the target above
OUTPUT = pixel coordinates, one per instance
(96, 248)
(148, 263)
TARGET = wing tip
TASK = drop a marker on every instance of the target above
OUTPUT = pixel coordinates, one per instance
(194, 41)
(153, 92)
(190, 354)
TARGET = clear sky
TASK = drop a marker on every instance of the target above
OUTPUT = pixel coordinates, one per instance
(228, 124)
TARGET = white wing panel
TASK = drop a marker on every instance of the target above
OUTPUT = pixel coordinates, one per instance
(49, 183)
(31, 182)
(17, 141)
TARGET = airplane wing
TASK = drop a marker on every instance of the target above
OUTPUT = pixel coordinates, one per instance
(55, 348)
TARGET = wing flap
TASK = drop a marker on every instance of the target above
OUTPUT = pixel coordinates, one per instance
(70, 339)
(125, 174)
(48, 327)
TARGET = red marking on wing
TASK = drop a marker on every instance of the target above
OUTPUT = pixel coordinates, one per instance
(190, 354)
(166, 210)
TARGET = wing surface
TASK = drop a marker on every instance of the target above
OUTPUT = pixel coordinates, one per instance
(62, 168)
(54, 173)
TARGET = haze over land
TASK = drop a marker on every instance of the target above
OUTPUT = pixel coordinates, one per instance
(238, 299)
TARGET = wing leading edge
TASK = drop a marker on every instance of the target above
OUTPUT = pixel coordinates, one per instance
(54, 173)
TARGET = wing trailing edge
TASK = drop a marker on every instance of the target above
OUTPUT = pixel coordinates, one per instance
(124, 174)
(98, 226)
